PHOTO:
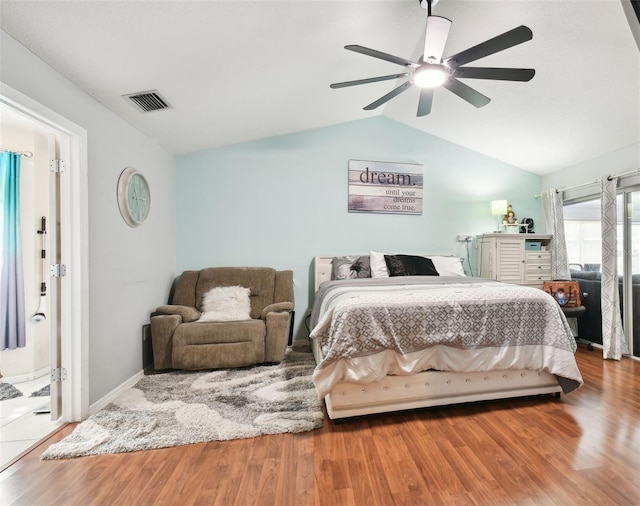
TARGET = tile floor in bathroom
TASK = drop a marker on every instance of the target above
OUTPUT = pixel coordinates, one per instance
(20, 427)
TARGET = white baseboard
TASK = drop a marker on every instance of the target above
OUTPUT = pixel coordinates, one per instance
(102, 402)
(26, 377)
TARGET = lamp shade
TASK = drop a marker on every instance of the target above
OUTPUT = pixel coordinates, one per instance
(498, 207)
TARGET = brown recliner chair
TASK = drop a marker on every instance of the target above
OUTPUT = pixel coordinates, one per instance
(180, 341)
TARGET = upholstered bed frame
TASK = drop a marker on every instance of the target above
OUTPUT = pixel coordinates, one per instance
(428, 388)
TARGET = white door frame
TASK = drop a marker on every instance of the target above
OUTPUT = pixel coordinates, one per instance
(74, 303)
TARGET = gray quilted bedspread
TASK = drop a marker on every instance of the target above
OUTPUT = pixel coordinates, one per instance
(361, 317)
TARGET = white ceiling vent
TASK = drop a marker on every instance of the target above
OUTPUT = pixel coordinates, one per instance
(148, 101)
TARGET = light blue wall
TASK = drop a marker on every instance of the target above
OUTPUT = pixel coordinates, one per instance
(280, 201)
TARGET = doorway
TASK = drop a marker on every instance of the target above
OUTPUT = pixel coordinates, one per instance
(18, 133)
(584, 249)
(68, 295)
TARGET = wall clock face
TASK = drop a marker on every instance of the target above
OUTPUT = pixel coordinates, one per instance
(134, 197)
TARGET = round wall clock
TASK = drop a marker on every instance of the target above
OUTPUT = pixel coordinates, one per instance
(134, 197)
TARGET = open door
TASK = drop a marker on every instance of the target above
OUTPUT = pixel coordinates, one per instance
(54, 261)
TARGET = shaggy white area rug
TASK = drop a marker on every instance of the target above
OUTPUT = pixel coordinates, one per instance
(45, 391)
(8, 391)
(182, 407)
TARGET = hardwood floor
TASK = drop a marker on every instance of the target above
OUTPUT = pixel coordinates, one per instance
(581, 449)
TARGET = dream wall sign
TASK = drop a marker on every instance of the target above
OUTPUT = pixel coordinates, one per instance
(385, 187)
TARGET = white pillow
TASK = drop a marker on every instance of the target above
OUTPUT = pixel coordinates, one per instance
(447, 266)
(225, 304)
(378, 265)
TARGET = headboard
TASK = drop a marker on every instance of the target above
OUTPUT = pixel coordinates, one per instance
(322, 270)
(323, 266)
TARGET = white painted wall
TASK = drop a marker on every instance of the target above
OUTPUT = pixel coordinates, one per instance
(34, 202)
(617, 162)
(130, 270)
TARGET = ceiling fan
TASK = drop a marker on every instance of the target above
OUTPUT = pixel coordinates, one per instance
(432, 71)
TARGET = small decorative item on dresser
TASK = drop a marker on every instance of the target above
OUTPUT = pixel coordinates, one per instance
(526, 227)
(510, 217)
(510, 221)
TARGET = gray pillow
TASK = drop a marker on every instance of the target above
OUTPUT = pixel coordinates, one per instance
(351, 267)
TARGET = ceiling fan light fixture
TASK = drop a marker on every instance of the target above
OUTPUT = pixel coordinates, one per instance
(431, 71)
(429, 76)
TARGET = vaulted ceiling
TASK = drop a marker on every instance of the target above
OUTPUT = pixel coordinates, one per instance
(235, 71)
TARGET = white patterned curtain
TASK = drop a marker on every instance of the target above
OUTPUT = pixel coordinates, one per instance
(554, 221)
(613, 342)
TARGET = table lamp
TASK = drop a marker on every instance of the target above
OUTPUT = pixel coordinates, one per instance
(499, 208)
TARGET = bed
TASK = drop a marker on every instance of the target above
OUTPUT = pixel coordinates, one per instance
(368, 339)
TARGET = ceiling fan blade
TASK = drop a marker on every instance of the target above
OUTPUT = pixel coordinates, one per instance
(501, 74)
(426, 98)
(435, 38)
(466, 92)
(383, 56)
(367, 81)
(504, 41)
(388, 96)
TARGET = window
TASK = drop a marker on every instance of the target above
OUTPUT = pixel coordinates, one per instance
(584, 250)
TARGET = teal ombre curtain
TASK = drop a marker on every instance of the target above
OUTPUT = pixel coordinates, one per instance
(12, 316)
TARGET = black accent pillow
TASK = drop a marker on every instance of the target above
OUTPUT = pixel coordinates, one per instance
(410, 265)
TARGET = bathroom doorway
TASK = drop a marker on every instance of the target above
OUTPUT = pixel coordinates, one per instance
(55, 197)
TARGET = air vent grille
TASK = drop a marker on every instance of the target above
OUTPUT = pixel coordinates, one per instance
(148, 101)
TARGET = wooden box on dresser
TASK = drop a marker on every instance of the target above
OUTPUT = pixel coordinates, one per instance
(509, 258)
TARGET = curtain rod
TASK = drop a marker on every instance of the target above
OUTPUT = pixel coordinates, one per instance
(629, 173)
(26, 154)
